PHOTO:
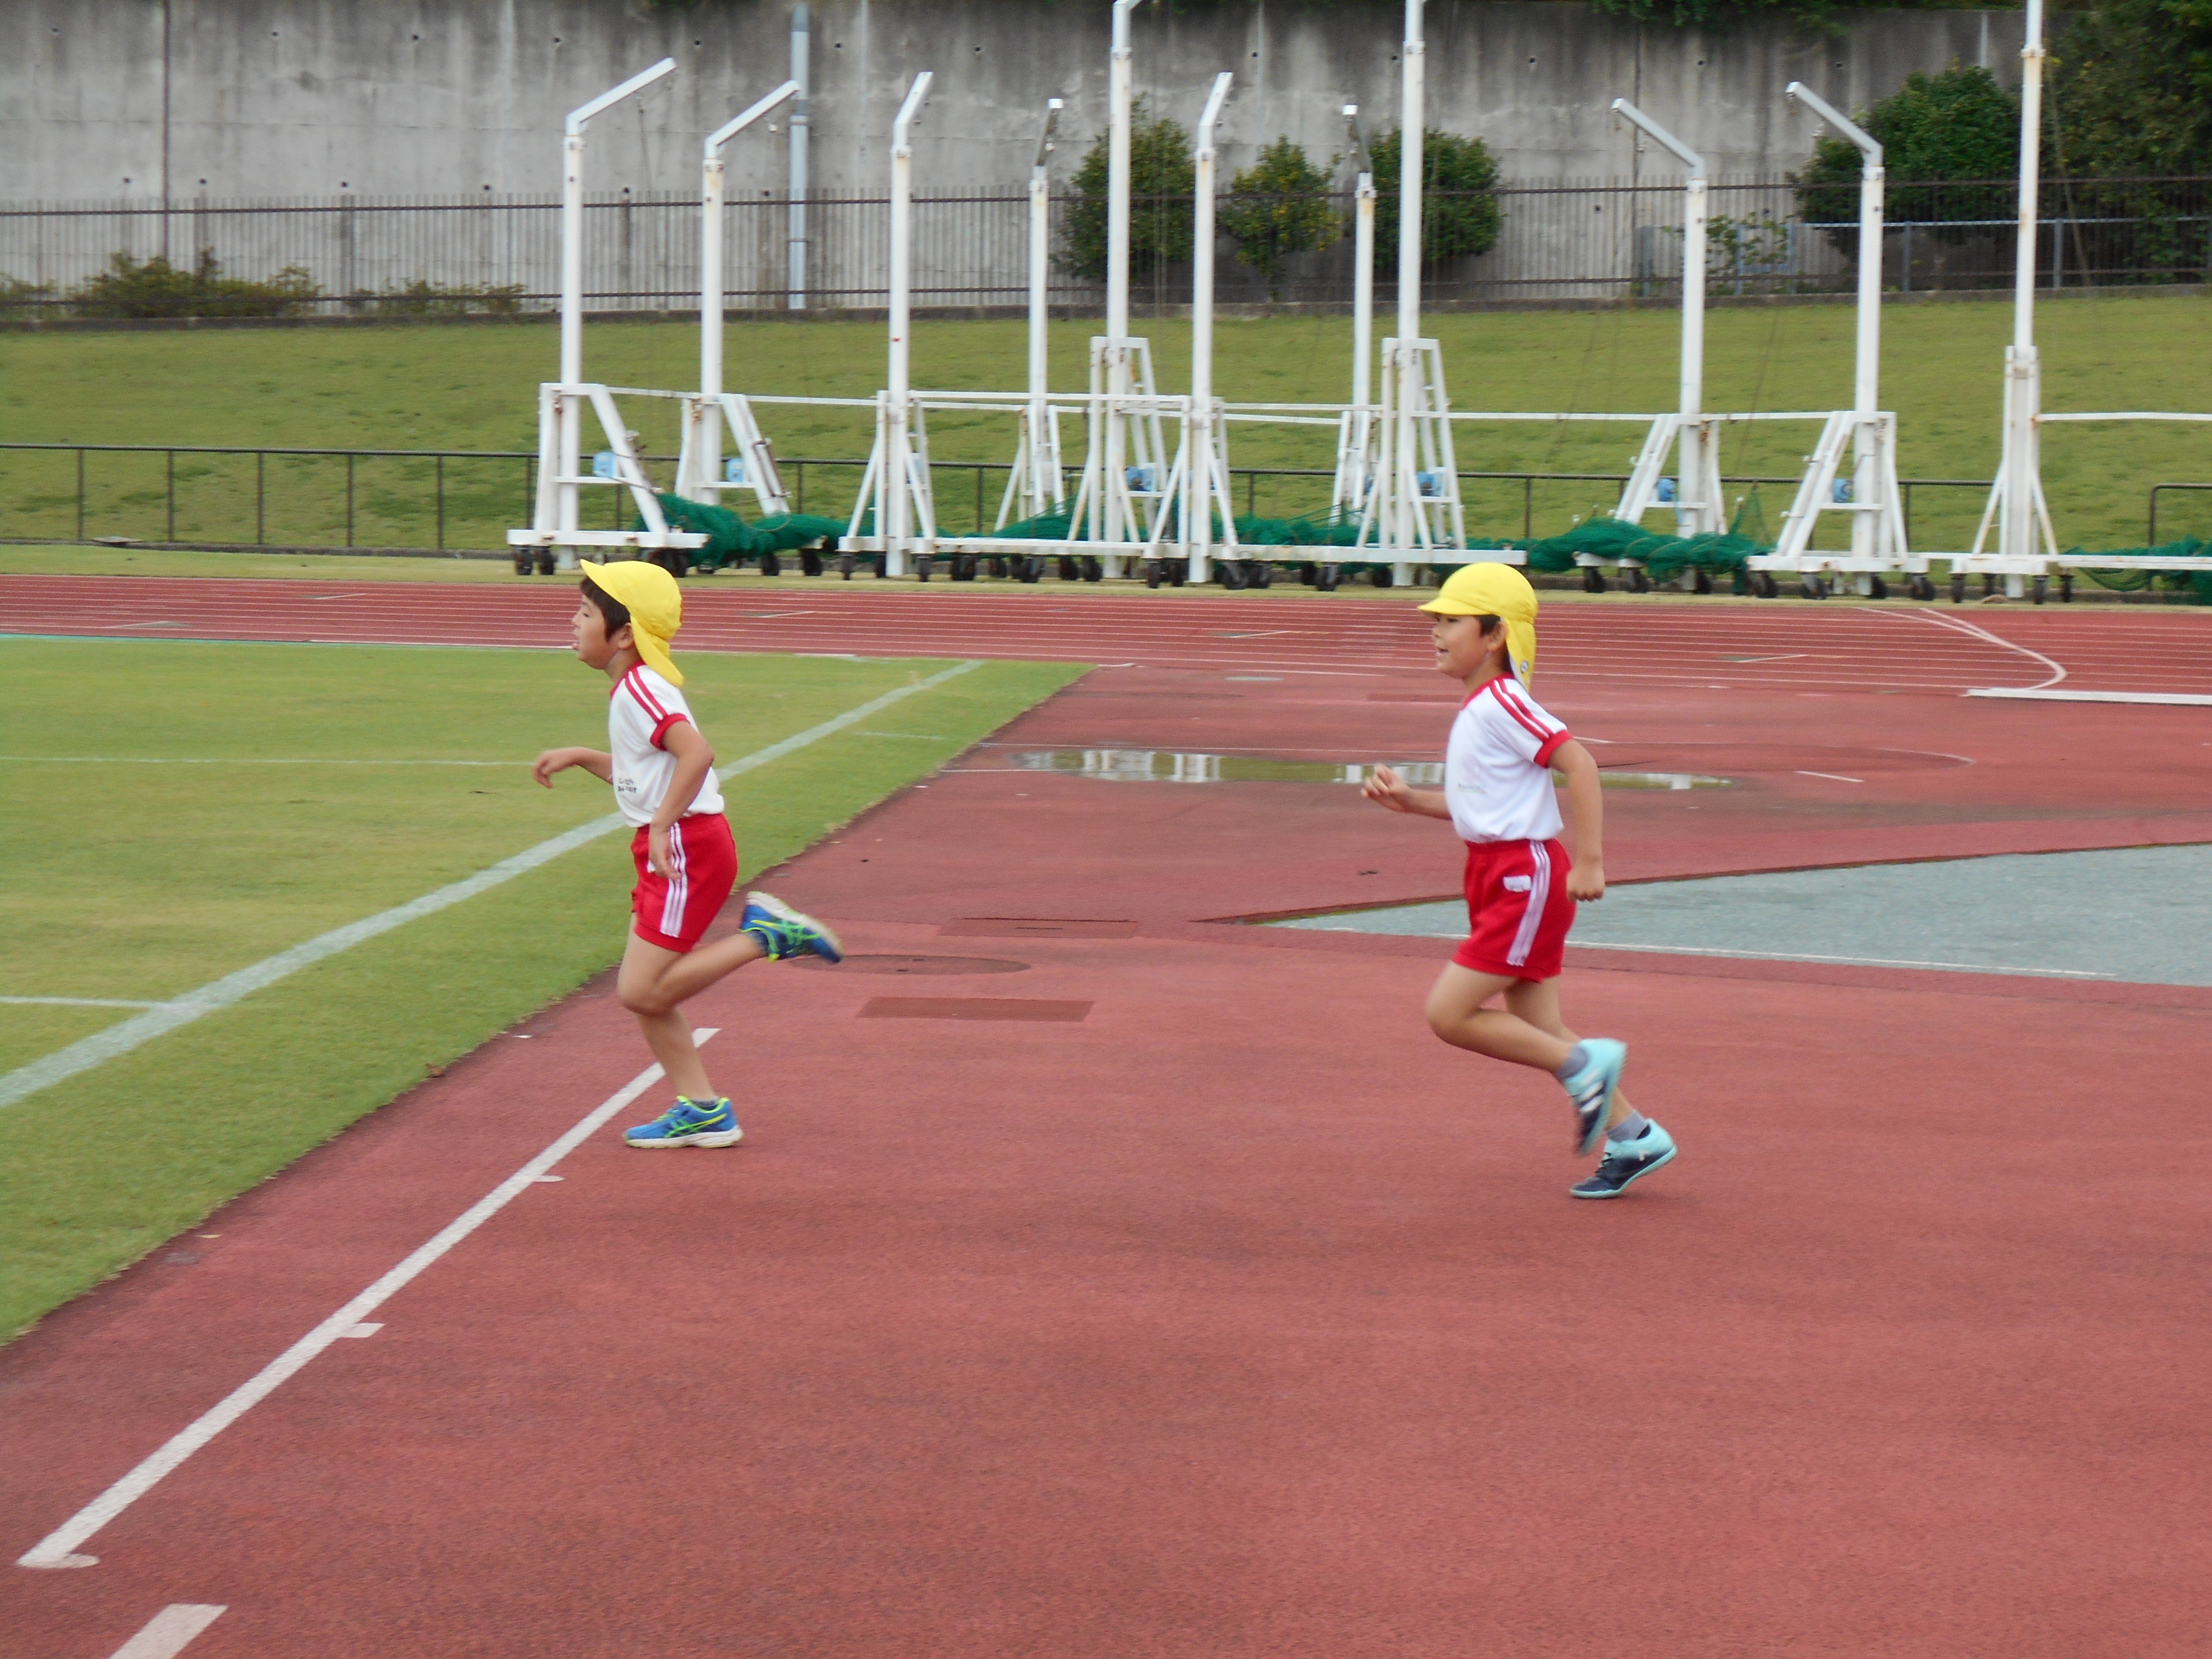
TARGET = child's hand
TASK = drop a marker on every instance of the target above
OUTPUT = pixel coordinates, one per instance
(552, 761)
(656, 852)
(1586, 881)
(1386, 788)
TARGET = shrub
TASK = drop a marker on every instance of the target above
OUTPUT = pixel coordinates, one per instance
(1960, 124)
(1161, 179)
(426, 299)
(1277, 206)
(1459, 212)
(158, 288)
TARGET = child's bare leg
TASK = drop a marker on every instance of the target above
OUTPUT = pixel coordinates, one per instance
(688, 976)
(642, 986)
(1457, 1015)
(1537, 1001)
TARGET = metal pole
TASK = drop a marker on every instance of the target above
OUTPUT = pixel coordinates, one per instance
(1363, 267)
(260, 497)
(80, 498)
(895, 482)
(441, 503)
(1198, 446)
(795, 224)
(707, 446)
(1866, 397)
(1691, 487)
(172, 532)
(1035, 486)
(1413, 117)
(2023, 372)
(349, 500)
(1117, 178)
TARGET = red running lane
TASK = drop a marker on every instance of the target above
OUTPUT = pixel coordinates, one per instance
(1733, 645)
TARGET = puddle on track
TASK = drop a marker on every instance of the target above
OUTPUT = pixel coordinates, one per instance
(1174, 766)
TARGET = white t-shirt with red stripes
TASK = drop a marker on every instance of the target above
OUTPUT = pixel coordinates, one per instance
(640, 711)
(1497, 770)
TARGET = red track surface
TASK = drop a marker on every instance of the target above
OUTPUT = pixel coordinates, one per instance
(1740, 645)
(1240, 1318)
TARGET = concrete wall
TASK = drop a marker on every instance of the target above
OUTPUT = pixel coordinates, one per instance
(101, 98)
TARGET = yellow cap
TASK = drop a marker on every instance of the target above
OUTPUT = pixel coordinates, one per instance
(1490, 589)
(655, 604)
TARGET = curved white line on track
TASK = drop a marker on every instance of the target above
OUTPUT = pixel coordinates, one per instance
(1959, 624)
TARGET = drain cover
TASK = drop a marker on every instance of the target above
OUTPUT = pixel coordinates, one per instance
(971, 1008)
(920, 965)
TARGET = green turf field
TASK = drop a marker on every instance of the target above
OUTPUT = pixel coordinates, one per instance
(129, 872)
(472, 388)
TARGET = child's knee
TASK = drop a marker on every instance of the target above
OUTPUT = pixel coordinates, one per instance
(641, 996)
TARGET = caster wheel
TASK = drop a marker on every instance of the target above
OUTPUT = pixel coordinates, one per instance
(1094, 570)
(2066, 588)
(1033, 568)
(996, 567)
(1762, 585)
(1306, 575)
(545, 565)
(1382, 575)
(1702, 582)
(1153, 574)
(1178, 572)
(672, 562)
(1921, 588)
(1988, 586)
(1958, 590)
(1263, 575)
(770, 565)
(2039, 589)
(1327, 578)
(964, 568)
(1811, 588)
(1068, 570)
(1640, 581)
(524, 564)
(1878, 589)
(1593, 579)
(1232, 574)
(809, 563)
(845, 566)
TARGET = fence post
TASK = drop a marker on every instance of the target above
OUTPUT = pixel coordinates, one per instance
(260, 496)
(348, 542)
(173, 495)
(1529, 508)
(80, 496)
(441, 503)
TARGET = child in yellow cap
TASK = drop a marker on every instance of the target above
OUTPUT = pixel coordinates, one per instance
(1522, 885)
(662, 774)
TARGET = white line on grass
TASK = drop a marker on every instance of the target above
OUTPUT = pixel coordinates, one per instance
(238, 759)
(169, 1631)
(77, 1002)
(157, 1021)
(58, 1547)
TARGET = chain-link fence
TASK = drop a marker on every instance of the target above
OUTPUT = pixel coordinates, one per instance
(1603, 241)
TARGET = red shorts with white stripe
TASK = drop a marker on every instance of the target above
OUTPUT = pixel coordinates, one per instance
(1517, 909)
(675, 915)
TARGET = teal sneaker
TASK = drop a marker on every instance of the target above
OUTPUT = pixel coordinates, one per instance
(1592, 1090)
(690, 1123)
(1627, 1162)
(783, 932)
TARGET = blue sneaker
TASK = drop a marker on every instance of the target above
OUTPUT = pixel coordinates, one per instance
(783, 932)
(1627, 1161)
(689, 1123)
(1592, 1090)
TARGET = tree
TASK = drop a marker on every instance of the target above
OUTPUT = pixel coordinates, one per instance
(1163, 179)
(1279, 205)
(2132, 90)
(1960, 125)
(1459, 211)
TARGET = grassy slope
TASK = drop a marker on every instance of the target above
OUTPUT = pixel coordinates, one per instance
(471, 388)
(250, 860)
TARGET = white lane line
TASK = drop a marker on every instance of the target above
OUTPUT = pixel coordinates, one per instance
(121, 1039)
(77, 1002)
(241, 760)
(1853, 962)
(367, 1327)
(2038, 694)
(1959, 624)
(57, 1548)
(169, 1631)
(1833, 777)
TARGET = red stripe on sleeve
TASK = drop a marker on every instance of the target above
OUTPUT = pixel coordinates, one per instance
(1527, 723)
(635, 683)
(1552, 744)
(660, 729)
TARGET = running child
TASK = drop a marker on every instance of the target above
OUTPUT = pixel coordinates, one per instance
(662, 774)
(1522, 885)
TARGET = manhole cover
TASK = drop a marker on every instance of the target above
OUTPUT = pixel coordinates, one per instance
(917, 965)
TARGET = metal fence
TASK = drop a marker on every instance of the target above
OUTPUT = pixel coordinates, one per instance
(1601, 240)
(426, 500)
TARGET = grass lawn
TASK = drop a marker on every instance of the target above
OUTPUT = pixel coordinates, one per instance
(472, 388)
(243, 860)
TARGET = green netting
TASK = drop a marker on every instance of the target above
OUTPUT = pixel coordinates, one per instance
(730, 539)
(2196, 583)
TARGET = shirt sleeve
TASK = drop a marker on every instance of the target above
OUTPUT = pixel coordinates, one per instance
(1523, 725)
(658, 705)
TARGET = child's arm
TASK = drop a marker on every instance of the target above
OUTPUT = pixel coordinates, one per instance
(694, 760)
(1386, 788)
(600, 766)
(1586, 810)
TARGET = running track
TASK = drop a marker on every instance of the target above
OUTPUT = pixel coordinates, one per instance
(1739, 644)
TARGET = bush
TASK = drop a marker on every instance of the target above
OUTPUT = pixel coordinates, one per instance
(2132, 89)
(425, 299)
(1162, 181)
(1960, 124)
(1277, 206)
(15, 293)
(158, 288)
(1459, 213)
